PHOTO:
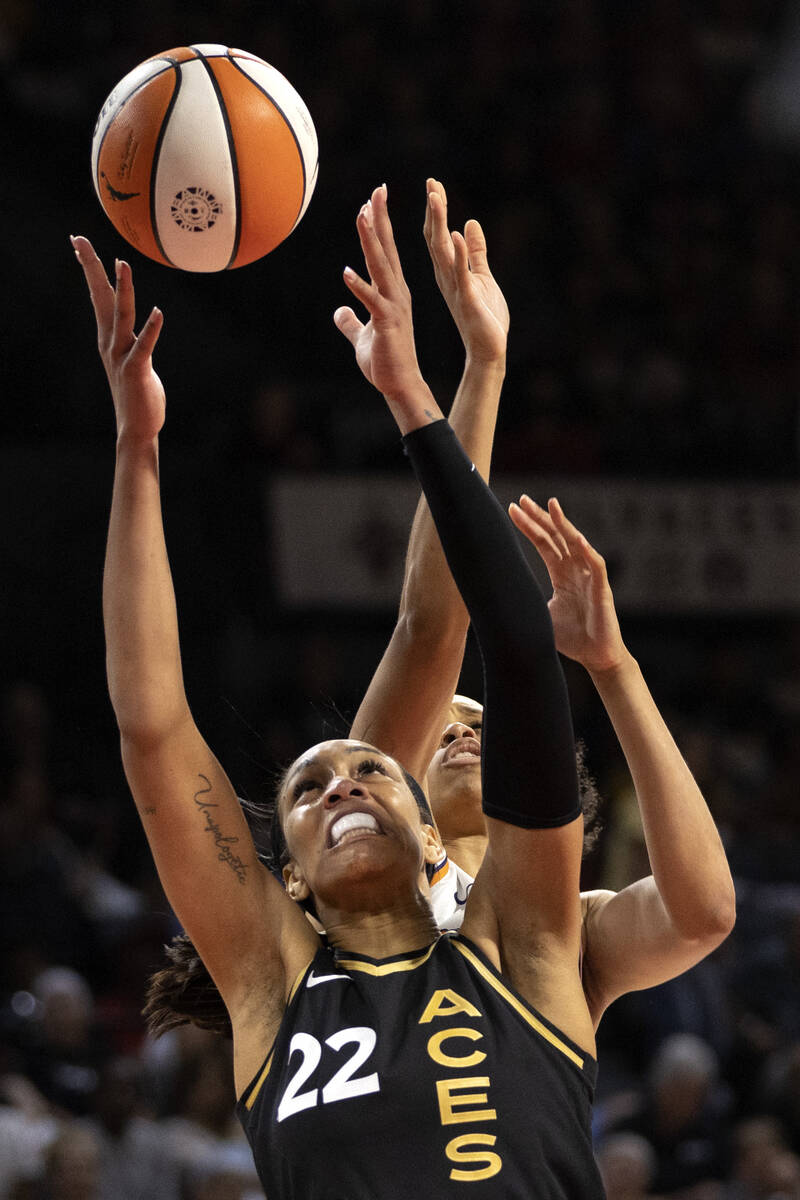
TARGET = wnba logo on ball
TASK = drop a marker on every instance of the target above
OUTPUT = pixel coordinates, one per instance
(194, 209)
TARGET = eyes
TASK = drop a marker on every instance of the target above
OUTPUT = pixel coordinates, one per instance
(368, 766)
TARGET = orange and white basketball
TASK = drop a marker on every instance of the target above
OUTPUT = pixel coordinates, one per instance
(204, 157)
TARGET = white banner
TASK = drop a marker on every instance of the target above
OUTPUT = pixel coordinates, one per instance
(674, 547)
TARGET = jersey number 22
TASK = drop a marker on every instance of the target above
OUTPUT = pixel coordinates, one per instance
(342, 1085)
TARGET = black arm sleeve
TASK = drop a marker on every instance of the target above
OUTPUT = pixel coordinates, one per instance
(528, 766)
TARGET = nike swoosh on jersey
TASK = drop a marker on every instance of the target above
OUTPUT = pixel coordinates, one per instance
(458, 898)
(313, 979)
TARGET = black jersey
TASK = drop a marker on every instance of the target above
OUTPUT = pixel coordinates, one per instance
(423, 1074)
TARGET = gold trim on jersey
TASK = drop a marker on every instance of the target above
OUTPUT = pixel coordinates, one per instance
(386, 968)
(257, 1086)
(440, 873)
(517, 1005)
(300, 977)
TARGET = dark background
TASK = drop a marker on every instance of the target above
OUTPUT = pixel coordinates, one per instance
(636, 171)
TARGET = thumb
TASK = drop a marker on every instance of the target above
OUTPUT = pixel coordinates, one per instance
(476, 245)
(348, 323)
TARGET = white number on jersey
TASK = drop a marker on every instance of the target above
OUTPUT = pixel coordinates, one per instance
(342, 1085)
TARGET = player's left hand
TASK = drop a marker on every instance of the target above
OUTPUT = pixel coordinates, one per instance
(582, 609)
(461, 267)
(385, 349)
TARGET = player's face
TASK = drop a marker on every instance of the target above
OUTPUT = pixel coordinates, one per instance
(349, 818)
(454, 775)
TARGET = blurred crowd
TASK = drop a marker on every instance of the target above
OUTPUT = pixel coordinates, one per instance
(636, 170)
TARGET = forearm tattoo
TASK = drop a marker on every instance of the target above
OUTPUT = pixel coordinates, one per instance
(222, 843)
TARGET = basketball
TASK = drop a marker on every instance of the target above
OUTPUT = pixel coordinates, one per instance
(204, 157)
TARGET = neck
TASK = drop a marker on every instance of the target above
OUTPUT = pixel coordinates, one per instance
(382, 934)
(467, 852)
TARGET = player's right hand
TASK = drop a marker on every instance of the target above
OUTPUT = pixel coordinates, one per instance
(139, 399)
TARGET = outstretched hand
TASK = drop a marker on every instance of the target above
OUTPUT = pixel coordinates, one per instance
(582, 610)
(139, 400)
(460, 265)
(385, 349)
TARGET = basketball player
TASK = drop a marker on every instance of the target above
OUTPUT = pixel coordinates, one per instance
(412, 688)
(389, 1057)
(661, 925)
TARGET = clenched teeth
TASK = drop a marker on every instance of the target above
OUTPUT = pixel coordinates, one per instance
(350, 822)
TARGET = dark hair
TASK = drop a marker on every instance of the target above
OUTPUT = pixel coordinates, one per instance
(184, 991)
(590, 800)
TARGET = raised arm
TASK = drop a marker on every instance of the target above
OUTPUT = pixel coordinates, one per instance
(525, 902)
(659, 926)
(235, 913)
(403, 708)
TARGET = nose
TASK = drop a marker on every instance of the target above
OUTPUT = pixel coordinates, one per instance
(457, 730)
(341, 788)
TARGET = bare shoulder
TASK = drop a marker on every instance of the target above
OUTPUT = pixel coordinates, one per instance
(592, 906)
(593, 902)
